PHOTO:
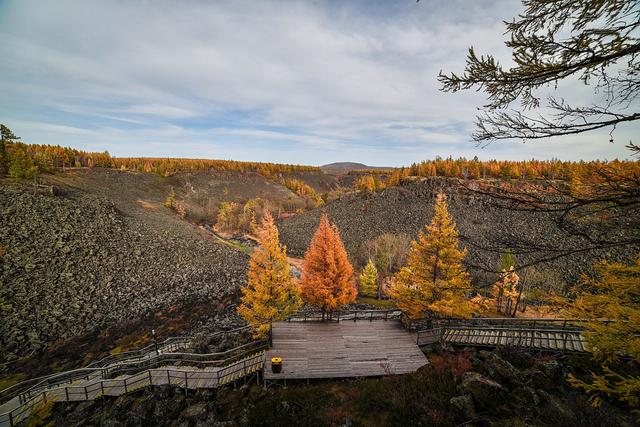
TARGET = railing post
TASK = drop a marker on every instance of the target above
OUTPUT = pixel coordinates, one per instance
(66, 393)
(125, 386)
(533, 337)
(168, 377)
(102, 388)
(244, 370)
(186, 380)
(86, 395)
(355, 316)
(150, 378)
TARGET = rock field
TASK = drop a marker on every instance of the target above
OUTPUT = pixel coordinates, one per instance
(481, 224)
(72, 263)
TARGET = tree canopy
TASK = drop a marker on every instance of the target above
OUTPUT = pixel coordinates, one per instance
(434, 281)
(271, 292)
(613, 294)
(327, 275)
(595, 41)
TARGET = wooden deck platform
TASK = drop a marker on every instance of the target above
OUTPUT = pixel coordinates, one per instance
(312, 350)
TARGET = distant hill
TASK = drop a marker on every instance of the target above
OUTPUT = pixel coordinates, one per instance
(346, 167)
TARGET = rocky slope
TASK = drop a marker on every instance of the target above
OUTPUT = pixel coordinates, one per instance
(481, 224)
(70, 264)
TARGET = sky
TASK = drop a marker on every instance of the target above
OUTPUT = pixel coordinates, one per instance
(305, 82)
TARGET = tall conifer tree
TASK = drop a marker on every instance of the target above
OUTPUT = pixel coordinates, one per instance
(434, 281)
(368, 280)
(327, 277)
(271, 292)
(613, 294)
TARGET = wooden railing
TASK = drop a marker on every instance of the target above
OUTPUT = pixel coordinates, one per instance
(544, 334)
(128, 367)
(342, 315)
(170, 345)
(158, 376)
(536, 323)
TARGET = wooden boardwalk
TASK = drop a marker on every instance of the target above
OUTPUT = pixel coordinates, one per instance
(552, 340)
(312, 350)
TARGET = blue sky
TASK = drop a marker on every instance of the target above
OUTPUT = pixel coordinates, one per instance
(307, 82)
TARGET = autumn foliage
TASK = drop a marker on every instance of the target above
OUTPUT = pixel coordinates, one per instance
(612, 294)
(368, 280)
(168, 167)
(327, 276)
(434, 282)
(370, 180)
(270, 294)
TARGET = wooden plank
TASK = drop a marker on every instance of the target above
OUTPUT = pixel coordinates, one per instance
(343, 349)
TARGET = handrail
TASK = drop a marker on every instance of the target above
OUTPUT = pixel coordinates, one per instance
(142, 351)
(103, 387)
(562, 339)
(171, 343)
(541, 323)
(75, 374)
(151, 347)
(337, 315)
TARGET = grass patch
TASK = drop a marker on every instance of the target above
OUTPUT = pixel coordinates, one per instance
(131, 342)
(10, 380)
(383, 303)
(41, 414)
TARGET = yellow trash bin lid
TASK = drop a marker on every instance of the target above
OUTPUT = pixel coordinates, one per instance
(276, 360)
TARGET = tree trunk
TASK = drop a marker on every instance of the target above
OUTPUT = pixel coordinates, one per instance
(515, 309)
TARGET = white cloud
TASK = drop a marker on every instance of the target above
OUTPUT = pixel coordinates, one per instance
(330, 79)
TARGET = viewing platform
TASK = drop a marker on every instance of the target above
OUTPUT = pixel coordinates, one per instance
(342, 349)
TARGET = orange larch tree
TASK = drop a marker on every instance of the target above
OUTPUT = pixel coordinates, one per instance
(271, 293)
(327, 276)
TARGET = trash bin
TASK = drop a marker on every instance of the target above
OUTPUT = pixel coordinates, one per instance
(276, 365)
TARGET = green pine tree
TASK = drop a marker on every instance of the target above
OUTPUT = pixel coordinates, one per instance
(170, 201)
(368, 280)
(6, 137)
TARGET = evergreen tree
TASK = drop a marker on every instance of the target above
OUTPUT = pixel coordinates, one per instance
(368, 280)
(434, 281)
(228, 217)
(170, 201)
(327, 276)
(270, 294)
(613, 294)
(6, 137)
(20, 164)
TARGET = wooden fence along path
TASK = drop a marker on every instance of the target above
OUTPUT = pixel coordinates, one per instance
(356, 343)
(537, 334)
(140, 369)
(184, 377)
